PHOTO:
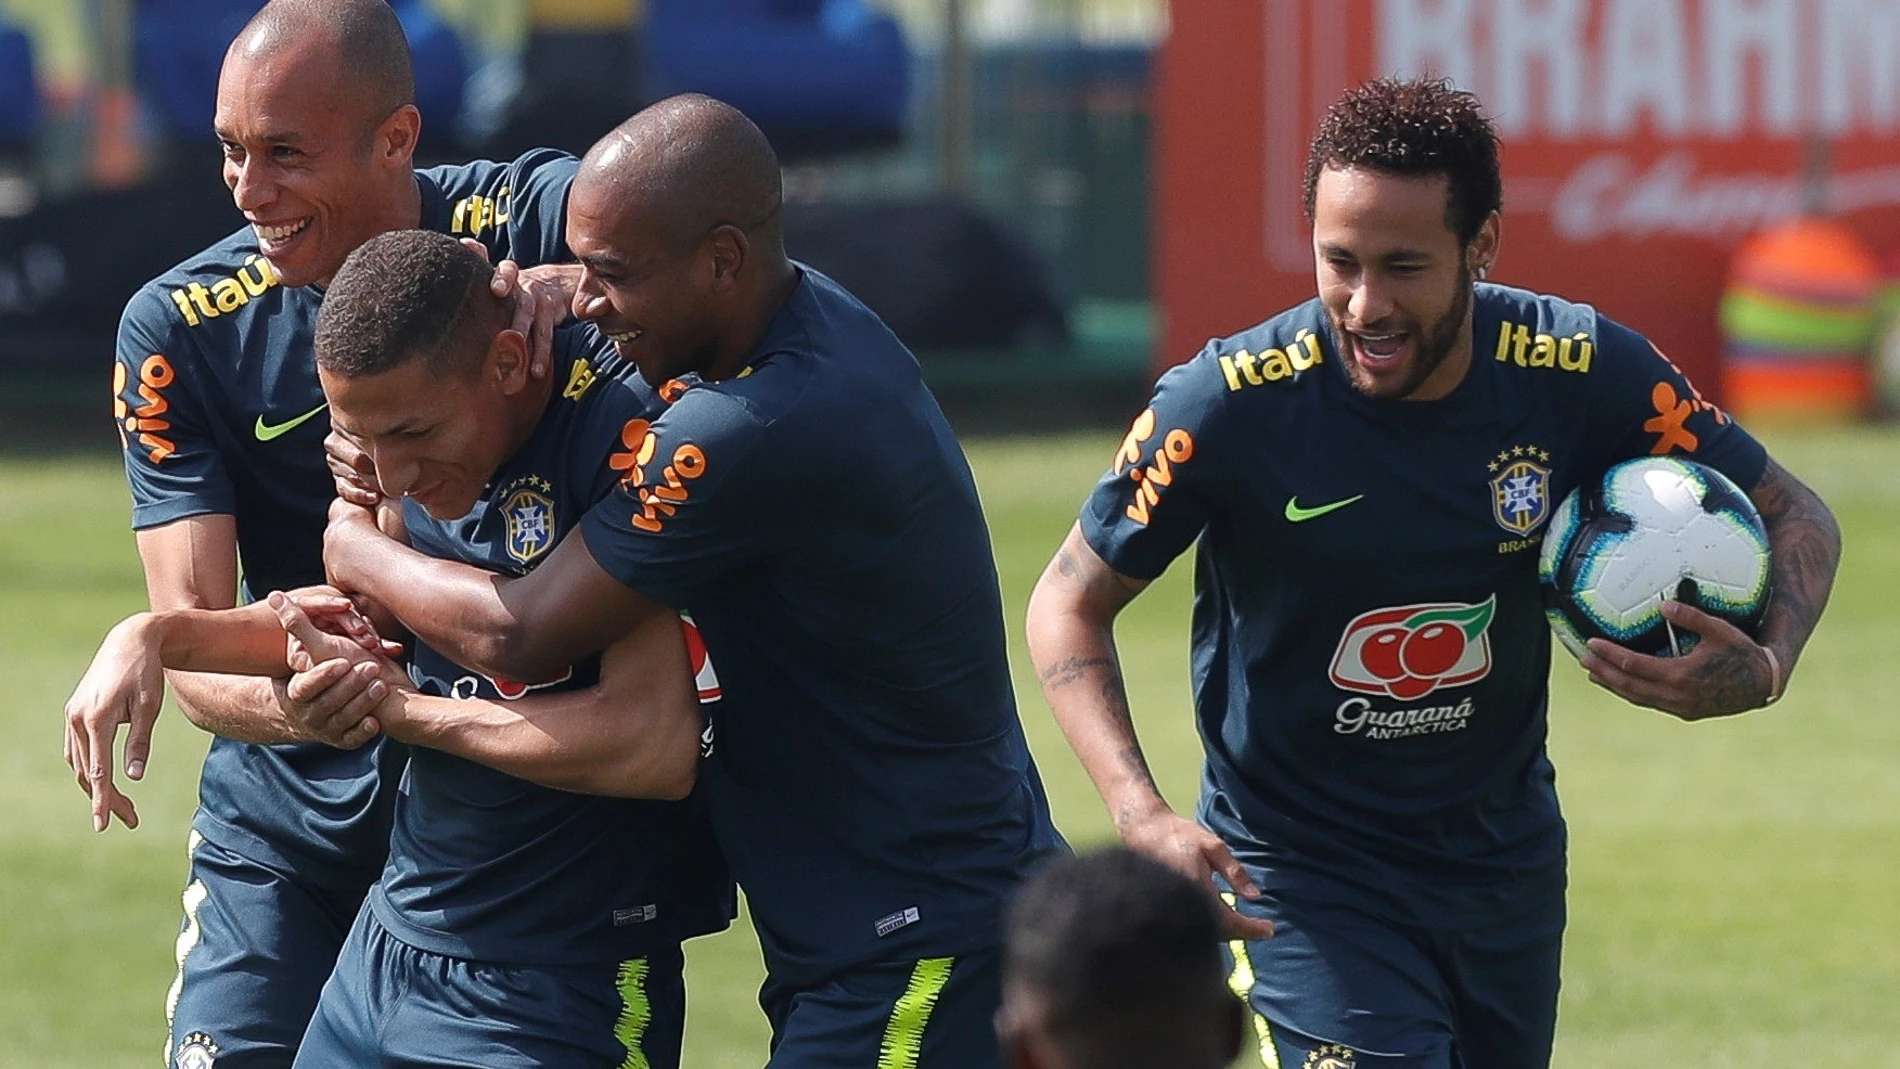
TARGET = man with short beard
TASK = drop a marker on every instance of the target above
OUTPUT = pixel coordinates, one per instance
(1368, 476)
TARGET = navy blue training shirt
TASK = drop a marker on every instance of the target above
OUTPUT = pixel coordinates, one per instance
(1370, 655)
(220, 413)
(871, 784)
(484, 865)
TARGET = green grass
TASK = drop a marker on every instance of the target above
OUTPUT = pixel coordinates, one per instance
(1733, 895)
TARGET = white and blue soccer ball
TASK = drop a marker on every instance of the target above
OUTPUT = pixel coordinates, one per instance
(1654, 530)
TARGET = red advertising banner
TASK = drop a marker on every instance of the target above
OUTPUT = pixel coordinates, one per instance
(1643, 140)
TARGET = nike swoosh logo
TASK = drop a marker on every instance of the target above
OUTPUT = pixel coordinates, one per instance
(265, 432)
(1296, 514)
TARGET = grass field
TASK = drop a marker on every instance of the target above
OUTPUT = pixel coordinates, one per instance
(1735, 885)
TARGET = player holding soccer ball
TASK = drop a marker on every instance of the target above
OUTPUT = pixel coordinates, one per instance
(1368, 476)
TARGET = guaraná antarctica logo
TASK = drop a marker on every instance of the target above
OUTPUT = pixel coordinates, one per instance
(1409, 651)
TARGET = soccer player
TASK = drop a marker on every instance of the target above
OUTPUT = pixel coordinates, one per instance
(1112, 961)
(804, 499)
(1367, 475)
(222, 421)
(515, 924)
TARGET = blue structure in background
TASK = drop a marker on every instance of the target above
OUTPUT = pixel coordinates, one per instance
(818, 76)
(20, 117)
(179, 45)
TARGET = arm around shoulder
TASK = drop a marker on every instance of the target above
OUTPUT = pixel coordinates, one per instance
(524, 628)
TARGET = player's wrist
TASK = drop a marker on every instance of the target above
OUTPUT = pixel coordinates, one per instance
(142, 635)
(1139, 811)
(392, 713)
(1777, 677)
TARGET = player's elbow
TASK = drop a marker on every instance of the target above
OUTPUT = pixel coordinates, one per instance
(653, 752)
(509, 649)
(674, 778)
(647, 772)
(189, 705)
(1057, 612)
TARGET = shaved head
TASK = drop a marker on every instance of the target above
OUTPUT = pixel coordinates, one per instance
(674, 219)
(362, 38)
(691, 163)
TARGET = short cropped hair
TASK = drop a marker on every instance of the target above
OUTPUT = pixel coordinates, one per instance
(405, 295)
(367, 35)
(1418, 128)
(1113, 938)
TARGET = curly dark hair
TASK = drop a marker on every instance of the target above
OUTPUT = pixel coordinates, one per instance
(1124, 953)
(1422, 127)
(404, 295)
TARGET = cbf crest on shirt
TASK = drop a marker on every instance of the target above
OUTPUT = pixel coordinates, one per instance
(531, 874)
(1370, 655)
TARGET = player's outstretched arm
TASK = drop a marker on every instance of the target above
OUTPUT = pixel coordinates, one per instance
(1728, 672)
(191, 566)
(1072, 644)
(634, 734)
(525, 628)
(124, 685)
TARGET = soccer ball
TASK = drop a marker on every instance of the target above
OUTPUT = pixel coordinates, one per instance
(1654, 529)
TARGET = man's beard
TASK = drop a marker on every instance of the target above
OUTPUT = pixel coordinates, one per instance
(1432, 348)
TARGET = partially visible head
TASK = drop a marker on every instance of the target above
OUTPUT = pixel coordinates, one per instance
(1403, 190)
(420, 366)
(675, 217)
(316, 116)
(1112, 960)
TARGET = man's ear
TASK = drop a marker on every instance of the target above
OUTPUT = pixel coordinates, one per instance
(396, 137)
(507, 361)
(730, 247)
(1482, 253)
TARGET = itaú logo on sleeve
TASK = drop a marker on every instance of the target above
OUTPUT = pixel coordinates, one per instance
(1408, 651)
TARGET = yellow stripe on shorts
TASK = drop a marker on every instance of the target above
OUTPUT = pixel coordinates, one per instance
(904, 1036)
(636, 1012)
(194, 899)
(1241, 981)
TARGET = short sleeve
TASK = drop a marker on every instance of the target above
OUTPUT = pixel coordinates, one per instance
(517, 210)
(693, 501)
(172, 462)
(537, 206)
(1159, 491)
(1643, 405)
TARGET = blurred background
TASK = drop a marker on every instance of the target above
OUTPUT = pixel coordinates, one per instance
(977, 171)
(1051, 200)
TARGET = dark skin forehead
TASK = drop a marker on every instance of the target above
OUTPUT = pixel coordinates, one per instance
(681, 167)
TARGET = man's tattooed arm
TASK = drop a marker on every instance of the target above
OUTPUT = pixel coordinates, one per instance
(1806, 545)
(1072, 642)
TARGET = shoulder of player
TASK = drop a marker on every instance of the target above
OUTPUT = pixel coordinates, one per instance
(472, 194)
(220, 280)
(1274, 358)
(474, 175)
(1522, 332)
(598, 393)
